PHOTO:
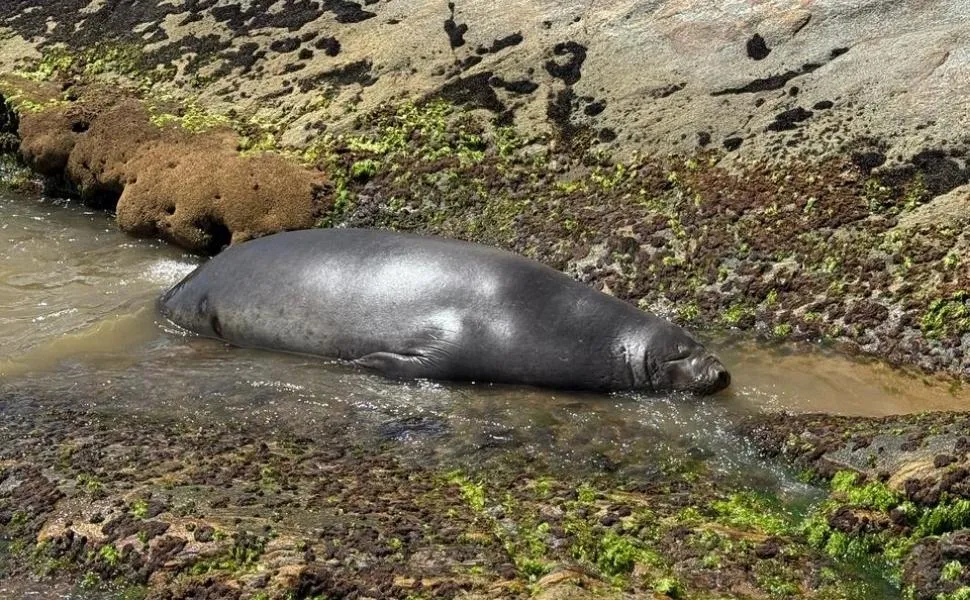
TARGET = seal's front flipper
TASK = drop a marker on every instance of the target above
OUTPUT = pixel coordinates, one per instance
(402, 366)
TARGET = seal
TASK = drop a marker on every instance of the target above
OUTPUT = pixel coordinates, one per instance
(413, 306)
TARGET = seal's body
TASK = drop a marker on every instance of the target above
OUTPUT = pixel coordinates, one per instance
(425, 307)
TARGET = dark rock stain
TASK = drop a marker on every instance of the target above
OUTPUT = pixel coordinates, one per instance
(667, 90)
(732, 143)
(757, 48)
(467, 63)
(867, 161)
(776, 82)
(500, 44)
(199, 49)
(594, 108)
(789, 119)
(563, 105)
(802, 25)
(520, 86)
(192, 18)
(295, 14)
(231, 15)
(940, 172)
(474, 92)
(329, 45)
(156, 36)
(244, 57)
(456, 32)
(507, 42)
(560, 111)
(606, 135)
(773, 82)
(358, 72)
(347, 12)
(285, 45)
(570, 71)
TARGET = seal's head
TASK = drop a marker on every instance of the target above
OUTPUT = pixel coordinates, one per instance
(187, 305)
(681, 363)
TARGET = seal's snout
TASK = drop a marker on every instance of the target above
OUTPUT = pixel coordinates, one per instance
(718, 375)
(699, 373)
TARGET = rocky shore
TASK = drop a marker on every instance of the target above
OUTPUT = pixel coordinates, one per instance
(171, 508)
(178, 507)
(900, 491)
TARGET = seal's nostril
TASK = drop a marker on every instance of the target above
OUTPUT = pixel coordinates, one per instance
(723, 378)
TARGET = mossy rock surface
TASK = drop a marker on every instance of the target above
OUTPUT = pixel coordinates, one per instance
(173, 507)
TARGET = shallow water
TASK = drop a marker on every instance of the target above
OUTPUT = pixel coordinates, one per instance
(77, 313)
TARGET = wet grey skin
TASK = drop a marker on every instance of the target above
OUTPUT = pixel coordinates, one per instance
(414, 306)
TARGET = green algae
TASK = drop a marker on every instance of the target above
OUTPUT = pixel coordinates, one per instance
(105, 59)
(873, 494)
(952, 571)
(885, 548)
(962, 593)
(192, 118)
(782, 330)
(632, 552)
(110, 555)
(754, 512)
(733, 315)
(473, 492)
(947, 316)
(669, 586)
(949, 514)
(139, 509)
(364, 169)
(242, 556)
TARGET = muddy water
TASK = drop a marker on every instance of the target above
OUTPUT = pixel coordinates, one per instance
(77, 313)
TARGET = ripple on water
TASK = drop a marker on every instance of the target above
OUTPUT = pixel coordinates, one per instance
(168, 272)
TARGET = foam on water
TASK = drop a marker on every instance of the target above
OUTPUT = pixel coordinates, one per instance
(167, 272)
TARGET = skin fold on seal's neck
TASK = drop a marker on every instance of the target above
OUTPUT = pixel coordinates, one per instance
(632, 354)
